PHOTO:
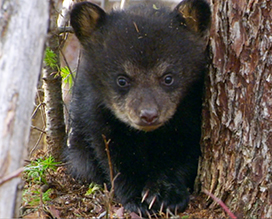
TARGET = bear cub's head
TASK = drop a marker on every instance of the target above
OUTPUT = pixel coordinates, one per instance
(143, 61)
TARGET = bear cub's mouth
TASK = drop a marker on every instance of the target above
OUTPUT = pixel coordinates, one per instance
(147, 124)
(148, 128)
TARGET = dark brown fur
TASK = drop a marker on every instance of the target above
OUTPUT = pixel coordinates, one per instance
(139, 84)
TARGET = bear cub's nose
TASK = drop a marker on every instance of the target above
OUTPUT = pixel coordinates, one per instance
(149, 116)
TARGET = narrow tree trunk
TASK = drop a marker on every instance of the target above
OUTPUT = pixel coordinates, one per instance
(23, 27)
(237, 136)
(55, 127)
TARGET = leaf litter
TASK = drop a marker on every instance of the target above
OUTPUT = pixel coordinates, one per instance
(61, 196)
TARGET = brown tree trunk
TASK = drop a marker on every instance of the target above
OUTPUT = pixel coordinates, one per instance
(55, 127)
(23, 29)
(237, 117)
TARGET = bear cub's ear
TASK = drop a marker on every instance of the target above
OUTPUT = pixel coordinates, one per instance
(85, 18)
(197, 15)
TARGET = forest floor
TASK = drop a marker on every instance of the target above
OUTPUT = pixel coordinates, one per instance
(54, 194)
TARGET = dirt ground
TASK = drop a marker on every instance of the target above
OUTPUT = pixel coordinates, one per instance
(60, 196)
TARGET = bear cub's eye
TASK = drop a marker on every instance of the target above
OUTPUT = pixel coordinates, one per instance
(168, 80)
(122, 82)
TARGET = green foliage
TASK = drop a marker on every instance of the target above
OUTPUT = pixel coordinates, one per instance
(35, 175)
(67, 76)
(93, 188)
(33, 197)
(50, 59)
(36, 169)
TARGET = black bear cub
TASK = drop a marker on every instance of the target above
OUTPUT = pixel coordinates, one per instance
(139, 85)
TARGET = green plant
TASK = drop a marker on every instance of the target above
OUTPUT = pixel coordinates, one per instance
(36, 169)
(33, 197)
(67, 76)
(50, 58)
(93, 188)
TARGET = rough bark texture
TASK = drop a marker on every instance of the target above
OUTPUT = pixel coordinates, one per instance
(55, 127)
(237, 126)
(23, 26)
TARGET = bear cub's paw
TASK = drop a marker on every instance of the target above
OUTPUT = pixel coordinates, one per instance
(160, 196)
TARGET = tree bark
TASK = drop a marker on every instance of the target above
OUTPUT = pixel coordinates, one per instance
(237, 116)
(55, 127)
(23, 27)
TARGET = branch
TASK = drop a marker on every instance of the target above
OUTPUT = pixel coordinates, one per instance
(14, 174)
(221, 203)
(109, 158)
(66, 29)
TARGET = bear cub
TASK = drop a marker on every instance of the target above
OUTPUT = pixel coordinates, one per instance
(139, 86)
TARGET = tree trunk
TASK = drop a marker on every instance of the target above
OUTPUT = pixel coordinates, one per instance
(237, 116)
(55, 127)
(23, 26)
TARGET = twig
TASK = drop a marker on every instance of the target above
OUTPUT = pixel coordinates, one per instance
(37, 143)
(102, 215)
(67, 64)
(109, 158)
(221, 203)
(12, 175)
(136, 27)
(42, 107)
(35, 111)
(41, 130)
(112, 187)
(66, 29)
(109, 194)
